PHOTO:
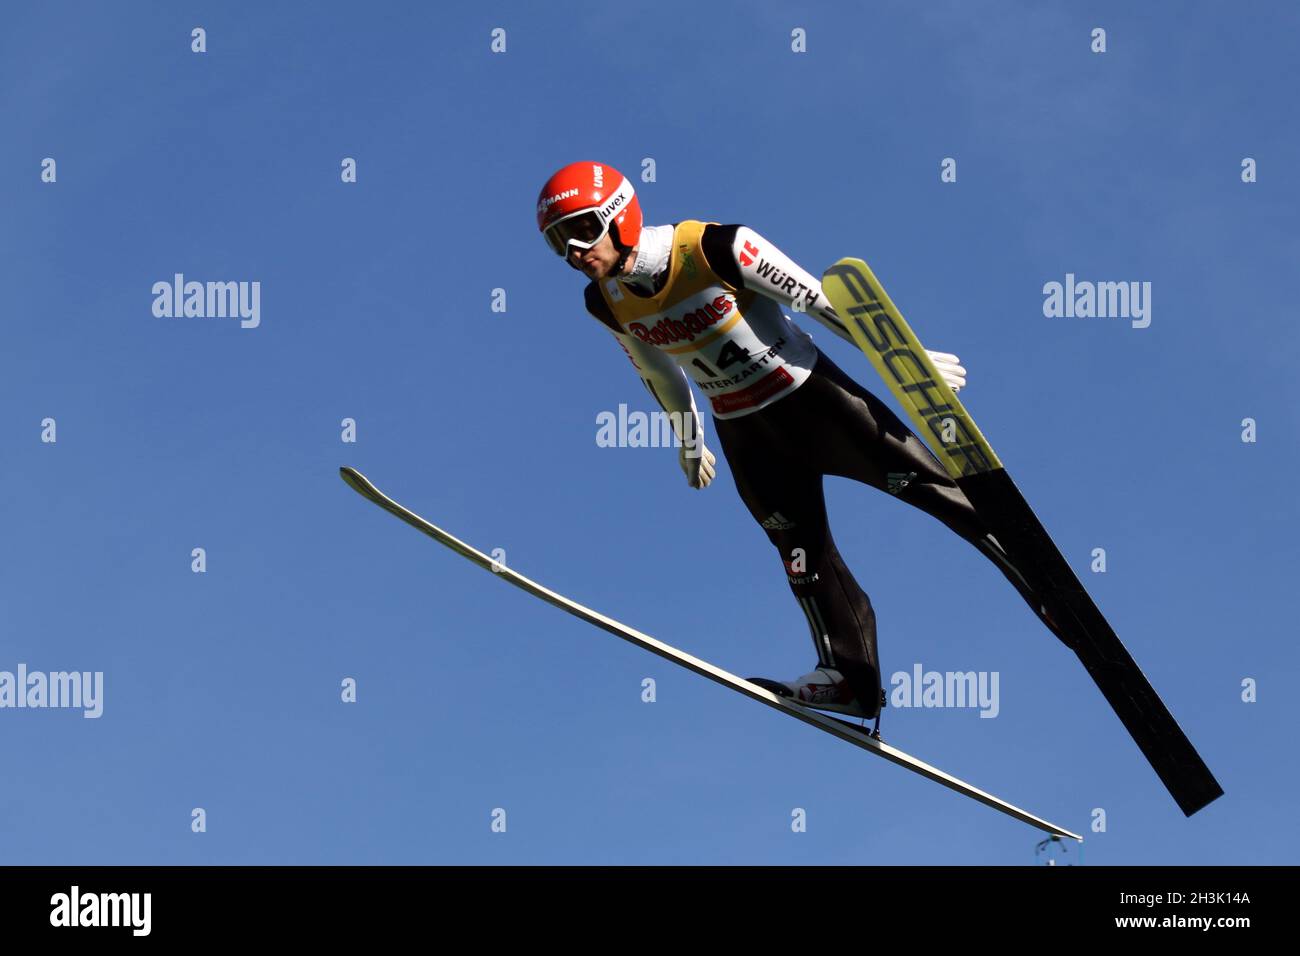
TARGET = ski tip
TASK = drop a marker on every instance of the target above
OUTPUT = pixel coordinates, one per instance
(846, 264)
(355, 479)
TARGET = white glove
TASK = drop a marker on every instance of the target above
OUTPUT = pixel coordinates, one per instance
(949, 367)
(698, 464)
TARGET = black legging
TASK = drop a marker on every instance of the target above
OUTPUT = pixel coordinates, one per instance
(831, 425)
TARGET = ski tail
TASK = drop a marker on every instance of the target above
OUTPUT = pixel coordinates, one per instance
(1085, 630)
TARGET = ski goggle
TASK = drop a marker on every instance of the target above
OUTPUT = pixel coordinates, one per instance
(583, 229)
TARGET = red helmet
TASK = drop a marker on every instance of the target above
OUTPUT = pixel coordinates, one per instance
(583, 201)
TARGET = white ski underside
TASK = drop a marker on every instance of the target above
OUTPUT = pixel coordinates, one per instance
(837, 728)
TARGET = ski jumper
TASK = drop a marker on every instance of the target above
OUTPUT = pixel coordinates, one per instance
(786, 416)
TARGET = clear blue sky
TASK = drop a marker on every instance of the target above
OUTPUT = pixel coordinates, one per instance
(222, 689)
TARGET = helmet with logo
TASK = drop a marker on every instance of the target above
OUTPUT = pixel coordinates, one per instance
(582, 202)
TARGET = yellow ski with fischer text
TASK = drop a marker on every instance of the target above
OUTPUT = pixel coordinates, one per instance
(885, 337)
(939, 417)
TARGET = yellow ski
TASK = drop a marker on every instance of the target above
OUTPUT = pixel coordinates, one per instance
(943, 422)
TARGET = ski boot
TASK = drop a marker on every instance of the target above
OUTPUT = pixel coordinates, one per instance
(823, 689)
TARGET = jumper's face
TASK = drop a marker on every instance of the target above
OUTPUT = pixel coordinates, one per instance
(597, 261)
